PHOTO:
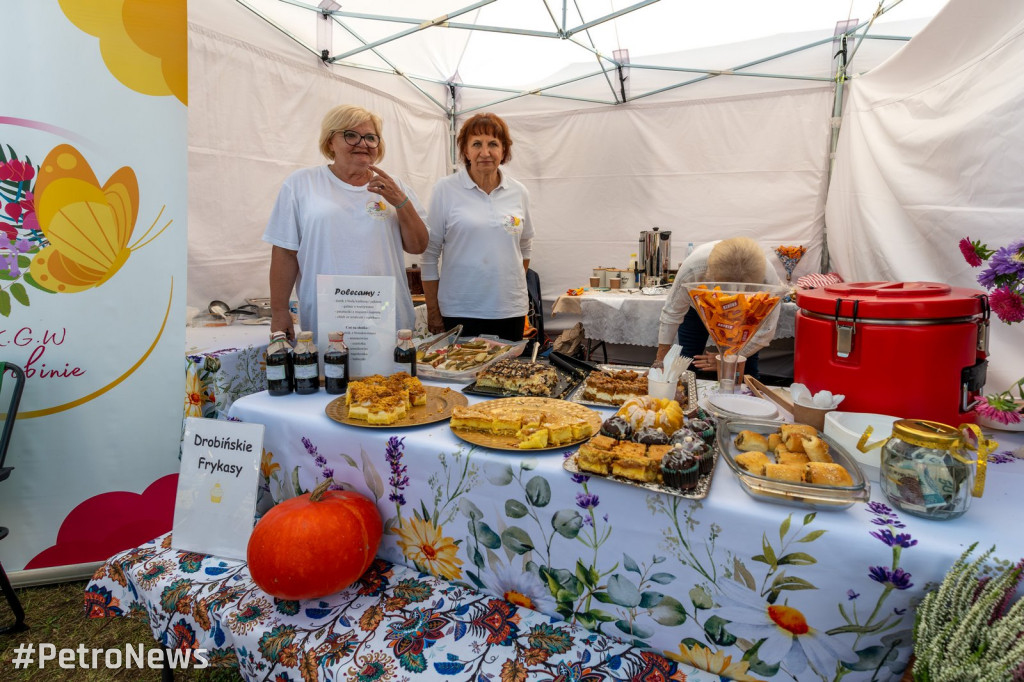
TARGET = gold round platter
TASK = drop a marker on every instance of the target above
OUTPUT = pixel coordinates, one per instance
(552, 406)
(440, 402)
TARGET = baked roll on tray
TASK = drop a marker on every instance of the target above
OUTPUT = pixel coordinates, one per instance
(798, 455)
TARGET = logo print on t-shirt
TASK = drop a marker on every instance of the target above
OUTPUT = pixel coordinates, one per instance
(512, 224)
(376, 208)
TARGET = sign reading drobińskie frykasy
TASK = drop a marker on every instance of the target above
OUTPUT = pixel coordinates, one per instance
(217, 487)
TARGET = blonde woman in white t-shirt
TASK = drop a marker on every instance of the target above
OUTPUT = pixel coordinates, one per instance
(482, 233)
(348, 217)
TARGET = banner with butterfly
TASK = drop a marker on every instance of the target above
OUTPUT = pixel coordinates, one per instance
(93, 207)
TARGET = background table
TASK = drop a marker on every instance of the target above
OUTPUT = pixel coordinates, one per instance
(221, 365)
(716, 576)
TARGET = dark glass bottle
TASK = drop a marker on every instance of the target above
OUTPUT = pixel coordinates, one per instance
(405, 353)
(279, 365)
(307, 364)
(336, 364)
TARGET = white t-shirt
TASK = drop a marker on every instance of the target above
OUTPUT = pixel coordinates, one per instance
(484, 238)
(339, 229)
(695, 269)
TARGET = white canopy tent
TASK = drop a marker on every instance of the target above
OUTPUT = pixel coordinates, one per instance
(698, 134)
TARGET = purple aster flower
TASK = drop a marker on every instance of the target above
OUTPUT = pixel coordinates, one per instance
(897, 578)
(587, 500)
(902, 539)
(851, 595)
(1009, 261)
(308, 444)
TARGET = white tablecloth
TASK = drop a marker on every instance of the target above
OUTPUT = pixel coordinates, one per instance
(631, 317)
(616, 558)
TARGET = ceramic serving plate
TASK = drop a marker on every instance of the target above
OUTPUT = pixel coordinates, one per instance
(807, 495)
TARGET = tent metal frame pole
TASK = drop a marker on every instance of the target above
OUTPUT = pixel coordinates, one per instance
(607, 17)
(561, 33)
(439, 21)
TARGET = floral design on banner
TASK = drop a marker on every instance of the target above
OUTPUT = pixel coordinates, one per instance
(20, 236)
(88, 226)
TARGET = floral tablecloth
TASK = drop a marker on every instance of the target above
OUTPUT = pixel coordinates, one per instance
(394, 623)
(733, 585)
(221, 365)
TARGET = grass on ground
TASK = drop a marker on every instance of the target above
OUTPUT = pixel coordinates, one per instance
(55, 615)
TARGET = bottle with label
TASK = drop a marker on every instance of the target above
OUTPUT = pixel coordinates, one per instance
(279, 365)
(307, 364)
(336, 364)
(405, 353)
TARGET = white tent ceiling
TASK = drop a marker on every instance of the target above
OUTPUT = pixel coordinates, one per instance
(501, 49)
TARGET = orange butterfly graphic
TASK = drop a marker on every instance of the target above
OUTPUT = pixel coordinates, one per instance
(88, 226)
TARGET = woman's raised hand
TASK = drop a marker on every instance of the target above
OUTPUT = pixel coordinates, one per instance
(383, 184)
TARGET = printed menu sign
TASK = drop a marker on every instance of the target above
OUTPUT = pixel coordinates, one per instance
(216, 501)
(363, 308)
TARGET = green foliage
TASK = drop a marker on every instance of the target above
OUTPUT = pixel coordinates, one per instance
(967, 629)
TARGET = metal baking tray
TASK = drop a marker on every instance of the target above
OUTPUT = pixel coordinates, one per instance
(806, 495)
(688, 380)
(567, 382)
(698, 493)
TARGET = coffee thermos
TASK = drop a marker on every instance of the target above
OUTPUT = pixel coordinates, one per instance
(655, 256)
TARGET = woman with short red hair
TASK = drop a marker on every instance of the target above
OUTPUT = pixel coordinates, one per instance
(480, 221)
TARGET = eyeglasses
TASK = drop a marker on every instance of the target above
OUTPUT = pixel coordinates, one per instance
(352, 138)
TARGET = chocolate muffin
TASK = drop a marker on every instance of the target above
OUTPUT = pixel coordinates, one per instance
(650, 435)
(705, 428)
(692, 444)
(672, 468)
(617, 428)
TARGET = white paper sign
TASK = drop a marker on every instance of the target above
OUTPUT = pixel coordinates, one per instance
(216, 501)
(364, 308)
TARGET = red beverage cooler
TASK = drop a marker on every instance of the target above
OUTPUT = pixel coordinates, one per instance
(914, 350)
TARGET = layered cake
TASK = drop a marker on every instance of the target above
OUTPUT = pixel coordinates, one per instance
(524, 378)
(614, 388)
(382, 399)
(527, 427)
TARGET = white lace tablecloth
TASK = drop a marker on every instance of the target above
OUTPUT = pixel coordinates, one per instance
(630, 317)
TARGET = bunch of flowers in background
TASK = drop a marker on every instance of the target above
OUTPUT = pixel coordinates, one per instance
(1003, 276)
(790, 256)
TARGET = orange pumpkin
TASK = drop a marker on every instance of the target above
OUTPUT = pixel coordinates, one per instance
(315, 544)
